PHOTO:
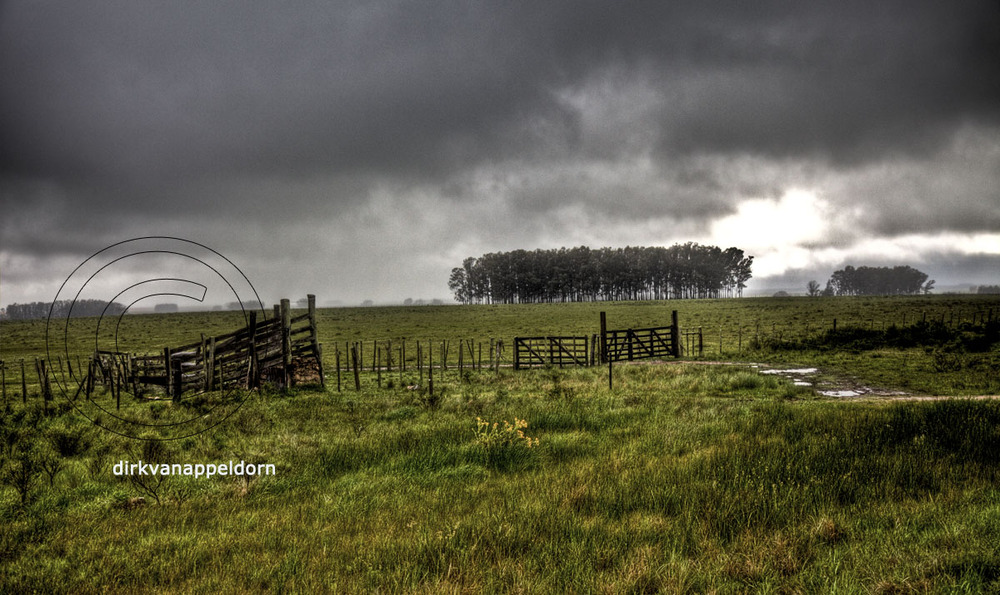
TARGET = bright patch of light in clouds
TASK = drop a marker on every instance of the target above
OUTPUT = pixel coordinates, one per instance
(790, 233)
(797, 218)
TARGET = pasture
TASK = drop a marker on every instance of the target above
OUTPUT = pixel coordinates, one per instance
(682, 478)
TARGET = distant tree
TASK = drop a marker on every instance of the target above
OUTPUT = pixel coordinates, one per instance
(584, 274)
(988, 289)
(164, 308)
(63, 309)
(898, 280)
(408, 302)
(367, 303)
(928, 287)
(781, 294)
(812, 289)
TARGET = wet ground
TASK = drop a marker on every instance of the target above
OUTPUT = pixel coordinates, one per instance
(830, 387)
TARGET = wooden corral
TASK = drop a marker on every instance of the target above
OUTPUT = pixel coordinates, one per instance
(281, 351)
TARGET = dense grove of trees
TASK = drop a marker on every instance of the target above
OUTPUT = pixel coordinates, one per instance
(898, 280)
(582, 274)
(61, 309)
(988, 289)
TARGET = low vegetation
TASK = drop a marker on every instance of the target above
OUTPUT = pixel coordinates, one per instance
(685, 477)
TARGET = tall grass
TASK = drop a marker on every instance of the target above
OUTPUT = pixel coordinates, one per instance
(682, 478)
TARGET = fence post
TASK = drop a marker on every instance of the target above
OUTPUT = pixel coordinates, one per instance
(675, 334)
(24, 385)
(3, 380)
(286, 345)
(517, 354)
(354, 359)
(430, 369)
(336, 353)
(210, 362)
(253, 380)
(169, 371)
(90, 377)
(314, 338)
(604, 339)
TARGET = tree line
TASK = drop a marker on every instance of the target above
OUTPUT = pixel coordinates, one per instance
(583, 274)
(864, 280)
(60, 309)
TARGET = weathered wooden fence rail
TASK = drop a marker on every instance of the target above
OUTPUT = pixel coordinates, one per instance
(530, 352)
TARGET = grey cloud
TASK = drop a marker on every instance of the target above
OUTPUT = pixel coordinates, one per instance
(145, 115)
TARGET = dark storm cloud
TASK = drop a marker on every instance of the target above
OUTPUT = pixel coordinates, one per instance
(135, 90)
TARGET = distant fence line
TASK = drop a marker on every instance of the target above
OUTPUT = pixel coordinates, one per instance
(385, 356)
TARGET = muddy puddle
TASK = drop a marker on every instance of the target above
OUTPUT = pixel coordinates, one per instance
(841, 388)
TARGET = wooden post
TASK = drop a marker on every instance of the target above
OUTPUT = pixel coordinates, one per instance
(604, 339)
(354, 359)
(116, 385)
(430, 369)
(336, 353)
(460, 362)
(207, 379)
(131, 374)
(402, 356)
(24, 385)
(90, 377)
(3, 381)
(168, 366)
(377, 363)
(210, 365)
(286, 345)
(253, 372)
(314, 338)
(701, 343)
(517, 354)
(675, 334)
(43, 381)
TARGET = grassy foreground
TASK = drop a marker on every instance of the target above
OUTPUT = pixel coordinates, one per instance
(684, 478)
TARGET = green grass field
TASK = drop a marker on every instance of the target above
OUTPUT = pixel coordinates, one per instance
(682, 478)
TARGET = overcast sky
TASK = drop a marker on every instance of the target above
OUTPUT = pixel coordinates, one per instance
(361, 150)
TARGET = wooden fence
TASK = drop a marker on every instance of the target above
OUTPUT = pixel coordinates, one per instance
(632, 344)
(532, 352)
(281, 351)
